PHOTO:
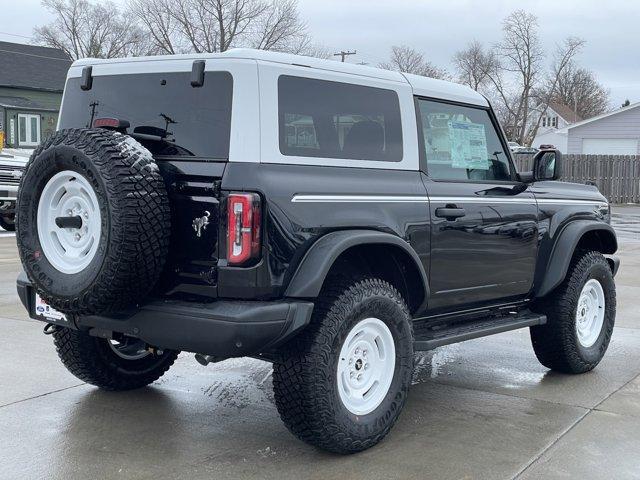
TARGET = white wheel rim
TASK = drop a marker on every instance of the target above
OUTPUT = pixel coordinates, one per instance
(366, 365)
(69, 194)
(590, 313)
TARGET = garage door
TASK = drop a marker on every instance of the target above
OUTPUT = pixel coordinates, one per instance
(610, 146)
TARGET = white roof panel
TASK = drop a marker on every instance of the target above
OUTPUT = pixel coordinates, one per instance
(441, 89)
(424, 86)
(253, 54)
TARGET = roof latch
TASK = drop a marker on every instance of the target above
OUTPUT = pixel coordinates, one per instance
(87, 78)
(197, 73)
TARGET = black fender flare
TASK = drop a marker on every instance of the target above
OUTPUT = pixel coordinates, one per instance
(568, 238)
(310, 274)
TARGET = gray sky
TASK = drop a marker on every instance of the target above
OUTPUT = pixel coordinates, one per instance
(439, 28)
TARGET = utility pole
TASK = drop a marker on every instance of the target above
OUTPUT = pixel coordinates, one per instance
(343, 54)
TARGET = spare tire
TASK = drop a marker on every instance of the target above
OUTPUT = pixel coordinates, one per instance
(93, 221)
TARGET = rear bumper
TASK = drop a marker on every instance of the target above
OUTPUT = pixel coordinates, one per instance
(222, 329)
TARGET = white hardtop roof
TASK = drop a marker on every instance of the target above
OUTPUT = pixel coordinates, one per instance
(423, 86)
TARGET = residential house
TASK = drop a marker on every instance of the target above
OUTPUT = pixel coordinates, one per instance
(31, 84)
(556, 118)
(612, 133)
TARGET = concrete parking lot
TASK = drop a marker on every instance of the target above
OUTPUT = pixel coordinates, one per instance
(481, 409)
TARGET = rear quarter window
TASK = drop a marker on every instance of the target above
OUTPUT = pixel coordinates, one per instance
(320, 118)
(192, 122)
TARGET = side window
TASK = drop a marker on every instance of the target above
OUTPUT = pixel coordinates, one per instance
(320, 118)
(461, 143)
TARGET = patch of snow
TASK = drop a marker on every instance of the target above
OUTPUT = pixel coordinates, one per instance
(129, 146)
(17, 152)
(15, 156)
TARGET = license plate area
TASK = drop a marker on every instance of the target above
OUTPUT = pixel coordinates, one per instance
(43, 311)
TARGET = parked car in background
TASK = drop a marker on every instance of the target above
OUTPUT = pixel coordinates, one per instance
(526, 150)
(11, 170)
(547, 146)
(514, 146)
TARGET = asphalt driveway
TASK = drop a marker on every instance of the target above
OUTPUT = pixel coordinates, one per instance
(481, 409)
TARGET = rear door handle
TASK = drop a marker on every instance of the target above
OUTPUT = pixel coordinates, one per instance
(450, 213)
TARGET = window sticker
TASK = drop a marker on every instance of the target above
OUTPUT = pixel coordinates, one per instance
(468, 145)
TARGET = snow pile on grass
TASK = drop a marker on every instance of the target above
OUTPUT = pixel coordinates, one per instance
(17, 153)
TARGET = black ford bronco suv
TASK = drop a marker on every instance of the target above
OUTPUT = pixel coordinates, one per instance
(329, 218)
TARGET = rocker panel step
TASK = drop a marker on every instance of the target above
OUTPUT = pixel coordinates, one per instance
(428, 339)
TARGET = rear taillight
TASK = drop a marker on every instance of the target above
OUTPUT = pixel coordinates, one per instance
(243, 228)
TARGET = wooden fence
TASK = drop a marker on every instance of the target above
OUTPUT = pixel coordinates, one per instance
(617, 176)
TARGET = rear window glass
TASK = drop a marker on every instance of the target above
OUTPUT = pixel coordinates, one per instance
(166, 114)
(319, 118)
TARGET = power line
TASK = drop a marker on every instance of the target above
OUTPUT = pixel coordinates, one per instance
(34, 55)
(15, 35)
(343, 54)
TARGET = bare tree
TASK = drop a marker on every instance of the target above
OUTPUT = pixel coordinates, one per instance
(518, 74)
(519, 55)
(83, 29)
(562, 60)
(217, 25)
(474, 64)
(578, 88)
(279, 27)
(408, 60)
(157, 19)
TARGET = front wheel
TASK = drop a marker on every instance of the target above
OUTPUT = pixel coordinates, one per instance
(580, 317)
(343, 382)
(122, 364)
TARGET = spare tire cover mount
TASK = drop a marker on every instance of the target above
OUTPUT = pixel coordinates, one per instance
(69, 195)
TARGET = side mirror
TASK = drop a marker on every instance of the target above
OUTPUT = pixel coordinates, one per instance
(547, 165)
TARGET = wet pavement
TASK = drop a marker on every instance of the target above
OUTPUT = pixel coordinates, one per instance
(480, 409)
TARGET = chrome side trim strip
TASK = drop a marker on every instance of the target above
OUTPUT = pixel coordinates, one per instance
(303, 198)
(360, 199)
(568, 201)
(529, 200)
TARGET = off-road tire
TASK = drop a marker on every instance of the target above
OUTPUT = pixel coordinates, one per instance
(92, 361)
(135, 221)
(8, 222)
(556, 343)
(304, 379)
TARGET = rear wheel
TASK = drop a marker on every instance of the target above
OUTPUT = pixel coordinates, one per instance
(342, 383)
(8, 222)
(580, 317)
(122, 364)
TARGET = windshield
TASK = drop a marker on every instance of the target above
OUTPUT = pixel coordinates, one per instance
(163, 111)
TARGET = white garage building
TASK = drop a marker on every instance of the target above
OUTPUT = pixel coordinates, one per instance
(612, 133)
